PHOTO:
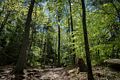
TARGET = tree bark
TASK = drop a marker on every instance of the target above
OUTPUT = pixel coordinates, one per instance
(58, 40)
(89, 67)
(71, 24)
(25, 43)
(31, 41)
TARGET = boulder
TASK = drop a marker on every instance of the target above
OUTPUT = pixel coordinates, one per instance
(113, 63)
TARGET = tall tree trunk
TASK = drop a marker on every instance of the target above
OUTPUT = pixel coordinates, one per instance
(58, 25)
(31, 42)
(90, 74)
(58, 40)
(71, 24)
(25, 43)
(68, 25)
(44, 48)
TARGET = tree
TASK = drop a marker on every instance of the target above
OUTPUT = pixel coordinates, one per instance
(90, 75)
(110, 9)
(58, 39)
(59, 2)
(71, 24)
(114, 4)
(25, 43)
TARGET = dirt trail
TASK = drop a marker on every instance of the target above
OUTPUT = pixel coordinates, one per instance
(100, 73)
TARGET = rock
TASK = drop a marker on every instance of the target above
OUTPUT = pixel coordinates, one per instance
(113, 63)
(72, 71)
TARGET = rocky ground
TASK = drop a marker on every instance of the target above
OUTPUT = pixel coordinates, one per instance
(100, 73)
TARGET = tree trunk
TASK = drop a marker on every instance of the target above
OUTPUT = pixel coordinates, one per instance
(25, 43)
(31, 41)
(71, 24)
(68, 25)
(90, 74)
(58, 40)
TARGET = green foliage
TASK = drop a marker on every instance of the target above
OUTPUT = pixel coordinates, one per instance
(103, 31)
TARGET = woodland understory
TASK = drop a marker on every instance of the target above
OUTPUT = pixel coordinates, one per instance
(59, 39)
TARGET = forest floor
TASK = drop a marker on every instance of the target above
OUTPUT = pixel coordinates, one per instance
(100, 73)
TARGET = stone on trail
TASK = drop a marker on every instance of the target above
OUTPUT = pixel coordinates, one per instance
(113, 63)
